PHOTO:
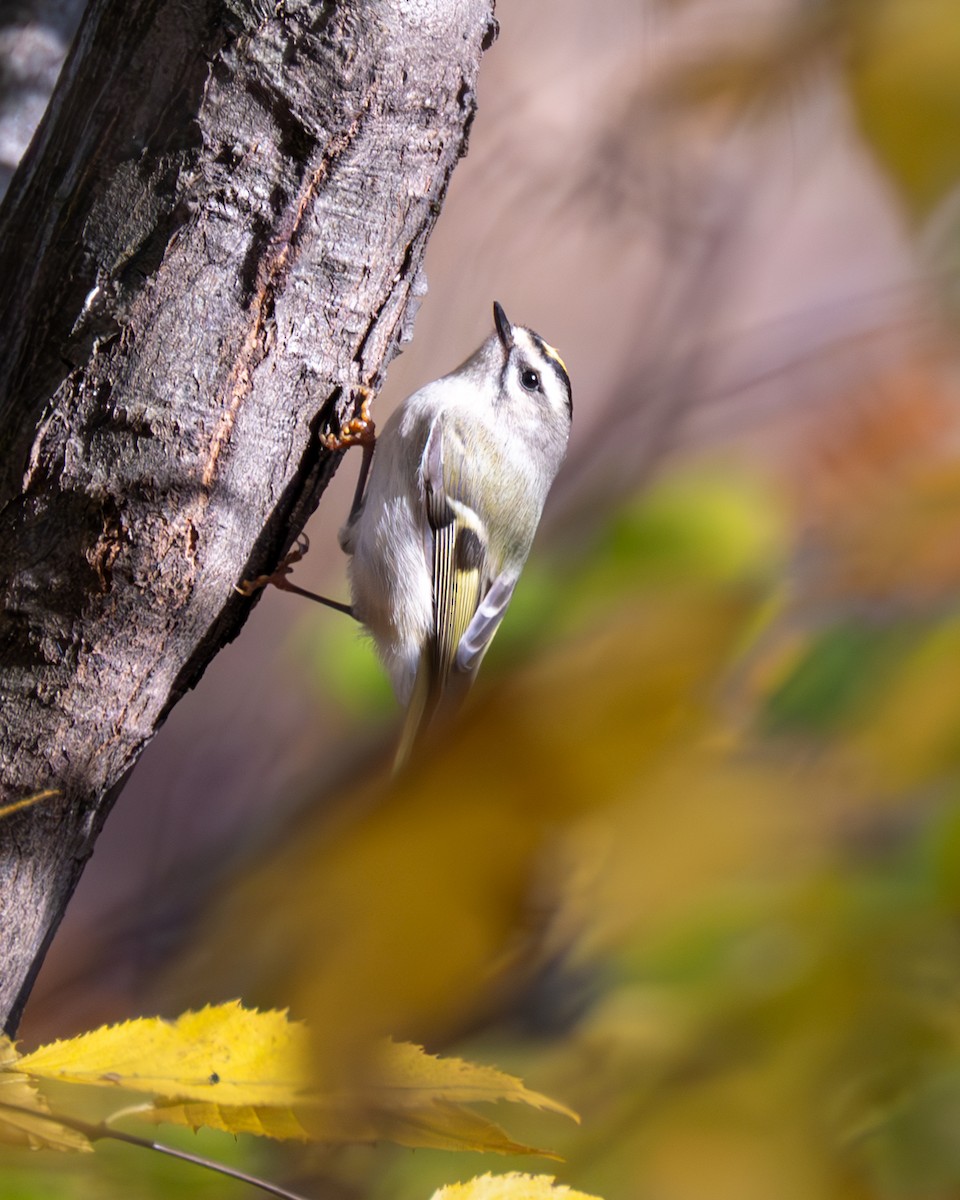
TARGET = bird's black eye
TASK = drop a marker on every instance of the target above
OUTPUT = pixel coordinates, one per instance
(530, 379)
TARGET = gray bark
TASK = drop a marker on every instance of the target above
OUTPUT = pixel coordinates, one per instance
(213, 241)
(34, 38)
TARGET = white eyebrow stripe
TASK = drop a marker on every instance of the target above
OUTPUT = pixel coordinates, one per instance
(536, 347)
(554, 353)
(525, 340)
(532, 346)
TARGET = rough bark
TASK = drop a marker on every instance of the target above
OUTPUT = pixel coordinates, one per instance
(214, 238)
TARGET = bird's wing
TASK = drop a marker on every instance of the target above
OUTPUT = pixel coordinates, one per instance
(461, 571)
(455, 543)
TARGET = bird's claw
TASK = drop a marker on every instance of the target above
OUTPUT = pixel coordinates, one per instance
(360, 430)
(249, 587)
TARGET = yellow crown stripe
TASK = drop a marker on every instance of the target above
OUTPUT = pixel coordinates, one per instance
(555, 354)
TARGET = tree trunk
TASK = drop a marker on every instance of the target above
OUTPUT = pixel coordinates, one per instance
(213, 241)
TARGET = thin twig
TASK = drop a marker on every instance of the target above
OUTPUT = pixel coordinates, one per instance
(9, 809)
(96, 1132)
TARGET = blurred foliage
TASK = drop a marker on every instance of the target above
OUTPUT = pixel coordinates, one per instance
(905, 79)
(341, 660)
(116, 1172)
(900, 61)
(690, 864)
(746, 972)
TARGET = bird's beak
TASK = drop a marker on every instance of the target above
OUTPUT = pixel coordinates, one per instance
(504, 328)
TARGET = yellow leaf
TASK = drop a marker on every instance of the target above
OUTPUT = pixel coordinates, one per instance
(25, 1119)
(223, 1054)
(280, 1123)
(415, 1099)
(408, 1077)
(905, 80)
(408, 1097)
(241, 1071)
(433, 1125)
(514, 1186)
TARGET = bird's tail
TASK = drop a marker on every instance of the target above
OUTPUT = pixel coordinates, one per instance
(418, 713)
(433, 699)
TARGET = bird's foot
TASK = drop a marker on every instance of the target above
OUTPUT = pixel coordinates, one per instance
(360, 430)
(249, 587)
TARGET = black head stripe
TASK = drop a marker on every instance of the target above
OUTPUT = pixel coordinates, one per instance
(550, 358)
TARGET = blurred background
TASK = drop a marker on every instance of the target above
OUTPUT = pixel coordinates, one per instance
(690, 862)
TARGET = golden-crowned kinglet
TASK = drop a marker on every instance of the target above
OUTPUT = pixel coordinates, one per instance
(449, 498)
(457, 484)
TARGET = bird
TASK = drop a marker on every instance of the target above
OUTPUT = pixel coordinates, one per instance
(448, 501)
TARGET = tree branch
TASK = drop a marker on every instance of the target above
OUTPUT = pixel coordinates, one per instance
(214, 239)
